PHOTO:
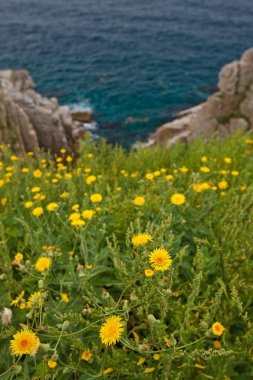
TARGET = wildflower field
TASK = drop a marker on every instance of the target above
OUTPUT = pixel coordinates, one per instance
(132, 265)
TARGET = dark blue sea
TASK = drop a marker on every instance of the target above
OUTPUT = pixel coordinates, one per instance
(134, 62)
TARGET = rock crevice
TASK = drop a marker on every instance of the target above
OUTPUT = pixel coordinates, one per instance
(224, 112)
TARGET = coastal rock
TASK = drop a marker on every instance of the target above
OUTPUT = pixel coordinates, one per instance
(82, 116)
(224, 112)
(29, 120)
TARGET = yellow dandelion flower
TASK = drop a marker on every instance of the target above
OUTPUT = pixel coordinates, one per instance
(24, 343)
(28, 204)
(25, 170)
(52, 206)
(184, 169)
(88, 214)
(156, 357)
(3, 201)
(35, 189)
(37, 173)
(1, 183)
(149, 177)
(43, 263)
(204, 169)
(90, 179)
(160, 259)
(35, 300)
(65, 297)
(96, 198)
(227, 160)
(235, 173)
(223, 185)
(38, 211)
(139, 201)
(149, 272)
(86, 355)
(218, 329)
(18, 299)
(51, 364)
(64, 195)
(169, 177)
(111, 330)
(74, 216)
(141, 239)
(217, 344)
(19, 256)
(177, 199)
(78, 223)
(204, 159)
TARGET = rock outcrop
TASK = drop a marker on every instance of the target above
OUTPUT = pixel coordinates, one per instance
(224, 112)
(29, 121)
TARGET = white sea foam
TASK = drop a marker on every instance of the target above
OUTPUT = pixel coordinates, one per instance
(82, 106)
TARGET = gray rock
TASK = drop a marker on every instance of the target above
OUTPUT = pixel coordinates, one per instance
(30, 120)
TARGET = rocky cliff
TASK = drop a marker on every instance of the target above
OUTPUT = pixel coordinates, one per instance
(229, 109)
(29, 121)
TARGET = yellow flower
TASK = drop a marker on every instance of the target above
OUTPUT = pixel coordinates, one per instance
(248, 141)
(169, 177)
(74, 216)
(149, 176)
(88, 214)
(28, 204)
(38, 211)
(149, 273)
(184, 169)
(39, 197)
(177, 199)
(35, 300)
(75, 207)
(96, 198)
(52, 206)
(223, 185)
(18, 299)
(139, 201)
(78, 223)
(64, 297)
(37, 173)
(1, 183)
(90, 179)
(43, 263)
(69, 159)
(24, 343)
(160, 259)
(64, 195)
(156, 357)
(35, 189)
(111, 330)
(3, 201)
(204, 159)
(86, 355)
(218, 329)
(235, 173)
(25, 170)
(227, 160)
(217, 344)
(204, 169)
(51, 364)
(19, 256)
(141, 239)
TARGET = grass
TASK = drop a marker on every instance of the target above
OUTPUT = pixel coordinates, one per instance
(92, 269)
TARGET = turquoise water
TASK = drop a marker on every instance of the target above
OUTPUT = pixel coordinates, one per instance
(134, 62)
